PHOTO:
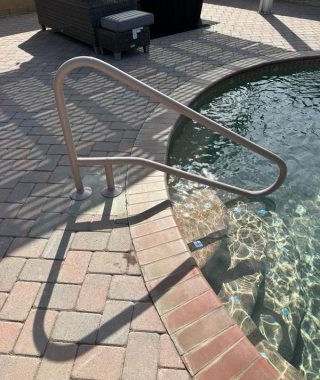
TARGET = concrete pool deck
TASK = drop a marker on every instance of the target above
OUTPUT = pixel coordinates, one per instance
(73, 276)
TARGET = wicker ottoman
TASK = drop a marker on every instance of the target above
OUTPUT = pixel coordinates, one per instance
(125, 30)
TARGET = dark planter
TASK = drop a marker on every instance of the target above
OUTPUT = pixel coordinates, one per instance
(173, 14)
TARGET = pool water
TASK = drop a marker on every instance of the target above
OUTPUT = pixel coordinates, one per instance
(267, 268)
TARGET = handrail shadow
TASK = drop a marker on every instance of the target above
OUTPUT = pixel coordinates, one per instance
(114, 324)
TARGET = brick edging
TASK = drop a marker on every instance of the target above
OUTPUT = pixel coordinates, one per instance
(206, 337)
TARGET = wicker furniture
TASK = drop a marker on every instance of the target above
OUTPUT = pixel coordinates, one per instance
(79, 18)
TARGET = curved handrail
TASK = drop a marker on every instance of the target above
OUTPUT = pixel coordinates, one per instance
(126, 79)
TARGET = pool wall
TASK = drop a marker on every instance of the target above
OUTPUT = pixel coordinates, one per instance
(209, 341)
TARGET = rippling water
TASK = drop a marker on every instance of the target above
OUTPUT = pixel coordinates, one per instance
(280, 233)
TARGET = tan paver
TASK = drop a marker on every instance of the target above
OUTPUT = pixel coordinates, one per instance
(9, 332)
(142, 348)
(146, 318)
(173, 374)
(98, 363)
(93, 293)
(3, 297)
(20, 301)
(18, 367)
(169, 358)
(35, 333)
(74, 268)
(57, 362)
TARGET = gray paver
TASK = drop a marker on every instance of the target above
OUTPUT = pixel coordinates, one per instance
(32, 207)
(57, 362)
(40, 270)
(20, 192)
(18, 367)
(90, 241)
(15, 227)
(10, 268)
(120, 240)
(46, 223)
(57, 296)
(108, 262)
(4, 245)
(27, 247)
(9, 210)
(58, 245)
(115, 323)
(76, 327)
(130, 288)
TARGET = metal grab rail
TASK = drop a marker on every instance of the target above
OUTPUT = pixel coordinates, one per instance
(81, 192)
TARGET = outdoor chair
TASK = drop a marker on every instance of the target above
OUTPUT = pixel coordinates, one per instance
(81, 19)
(125, 30)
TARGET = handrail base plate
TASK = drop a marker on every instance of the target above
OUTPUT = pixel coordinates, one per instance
(111, 193)
(80, 196)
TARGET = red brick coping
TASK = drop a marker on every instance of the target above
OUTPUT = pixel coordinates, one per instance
(211, 345)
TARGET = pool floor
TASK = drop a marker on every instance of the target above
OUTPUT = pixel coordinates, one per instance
(261, 256)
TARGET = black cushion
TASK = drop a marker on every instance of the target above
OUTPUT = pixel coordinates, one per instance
(121, 22)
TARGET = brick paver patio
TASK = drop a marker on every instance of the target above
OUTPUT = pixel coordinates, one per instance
(73, 301)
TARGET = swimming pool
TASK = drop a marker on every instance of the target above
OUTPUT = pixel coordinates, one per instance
(261, 256)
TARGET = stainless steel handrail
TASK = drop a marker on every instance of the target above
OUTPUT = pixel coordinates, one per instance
(81, 192)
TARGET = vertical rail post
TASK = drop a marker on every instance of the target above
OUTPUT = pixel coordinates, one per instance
(265, 6)
(80, 192)
(111, 190)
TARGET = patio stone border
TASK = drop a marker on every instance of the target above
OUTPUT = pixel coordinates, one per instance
(210, 343)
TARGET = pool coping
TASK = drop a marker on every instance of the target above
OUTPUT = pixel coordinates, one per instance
(206, 337)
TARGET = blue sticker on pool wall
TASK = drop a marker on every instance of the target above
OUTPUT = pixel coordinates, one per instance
(285, 312)
(276, 222)
(273, 276)
(187, 166)
(198, 244)
(235, 298)
(262, 213)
